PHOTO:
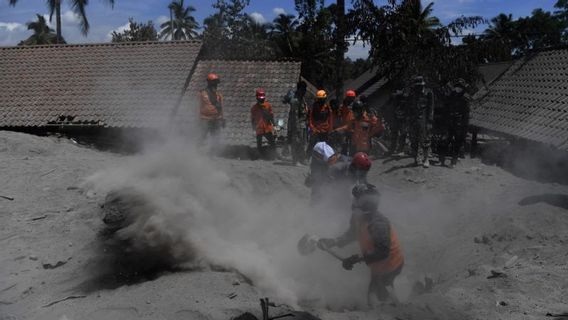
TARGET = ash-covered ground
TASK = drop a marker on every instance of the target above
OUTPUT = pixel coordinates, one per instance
(222, 234)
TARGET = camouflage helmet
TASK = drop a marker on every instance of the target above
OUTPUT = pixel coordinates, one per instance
(460, 82)
(418, 81)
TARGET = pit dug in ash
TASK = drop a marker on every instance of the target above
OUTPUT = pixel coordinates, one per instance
(139, 241)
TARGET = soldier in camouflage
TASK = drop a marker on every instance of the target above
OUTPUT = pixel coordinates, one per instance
(421, 117)
(456, 121)
(398, 103)
(297, 122)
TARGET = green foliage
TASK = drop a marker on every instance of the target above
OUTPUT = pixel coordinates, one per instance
(562, 14)
(232, 34)
(284, 34)
(136, 32)
(517, 37)
(316, 48)
(405, 40)
(184, 24)
(77, 6)
(43, 34)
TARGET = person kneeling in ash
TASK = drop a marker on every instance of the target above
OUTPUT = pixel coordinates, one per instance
(378, 241)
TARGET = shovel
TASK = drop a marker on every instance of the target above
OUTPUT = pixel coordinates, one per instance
(309, 243)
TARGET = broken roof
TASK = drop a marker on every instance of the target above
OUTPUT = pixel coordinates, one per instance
(529, 101)
(367, 83)
(239, 80)
(132, 84)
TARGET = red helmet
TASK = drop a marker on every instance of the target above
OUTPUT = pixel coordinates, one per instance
(212, 77)
(350, 93)
(361, 161)
(260, 93)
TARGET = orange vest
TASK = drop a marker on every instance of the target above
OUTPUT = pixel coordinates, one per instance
(346, 114)
(341, 117)
(392, 262)
(207, 111)
(363, 129)
(259, 115)
(321, 119)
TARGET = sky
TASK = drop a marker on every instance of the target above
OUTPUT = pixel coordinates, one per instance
(104, 19)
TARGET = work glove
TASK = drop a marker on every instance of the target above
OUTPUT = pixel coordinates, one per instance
(326, 243)
(349, 262)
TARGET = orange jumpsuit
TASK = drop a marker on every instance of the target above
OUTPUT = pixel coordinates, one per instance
(211, 112)
(208, 110)
(262, 118)
(394, 260)
(362, 130)
(320, 119)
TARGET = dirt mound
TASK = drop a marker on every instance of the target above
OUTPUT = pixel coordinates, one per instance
(21, 145)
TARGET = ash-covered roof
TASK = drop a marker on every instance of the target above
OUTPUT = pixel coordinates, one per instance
(367, 83)
(239, 81)
(491, 71)
(529, 101)
(133, 84)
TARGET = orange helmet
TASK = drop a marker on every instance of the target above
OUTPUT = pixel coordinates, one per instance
(350, 93)
(212, 77)
(321, 94)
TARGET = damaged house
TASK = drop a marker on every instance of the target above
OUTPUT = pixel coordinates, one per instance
(529, 101)
(114, 88)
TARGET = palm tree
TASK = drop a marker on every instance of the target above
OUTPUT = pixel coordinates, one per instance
(183, 23)
(78, 7)
(502, 27)
(43, 34)
(419, 18)
(284, 32)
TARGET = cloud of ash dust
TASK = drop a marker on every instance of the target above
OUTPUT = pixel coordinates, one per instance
(209, 209)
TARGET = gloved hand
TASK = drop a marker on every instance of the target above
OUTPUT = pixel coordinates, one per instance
(349, 262)
(326, 243)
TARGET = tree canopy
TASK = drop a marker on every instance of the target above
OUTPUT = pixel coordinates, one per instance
(42, 33)
(136, 32)
(183, 23)
(403, 36)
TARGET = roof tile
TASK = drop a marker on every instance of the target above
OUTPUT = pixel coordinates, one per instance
(239, 80)
(92, 81)
(530, 100)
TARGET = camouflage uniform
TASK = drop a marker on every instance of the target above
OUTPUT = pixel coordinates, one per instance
(456, 122)
(398, 122)
(297, 125)
(421, 116)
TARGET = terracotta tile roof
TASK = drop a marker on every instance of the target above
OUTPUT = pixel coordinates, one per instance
(491, 71)
(530, 100)
(239, 80)
(111, 85)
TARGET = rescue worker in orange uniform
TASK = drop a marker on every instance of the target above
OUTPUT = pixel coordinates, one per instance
(320, 120)
(346, 106)
(362, 126)
(211, 109)
(262, 121)
(378, 242)
(342, 115)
